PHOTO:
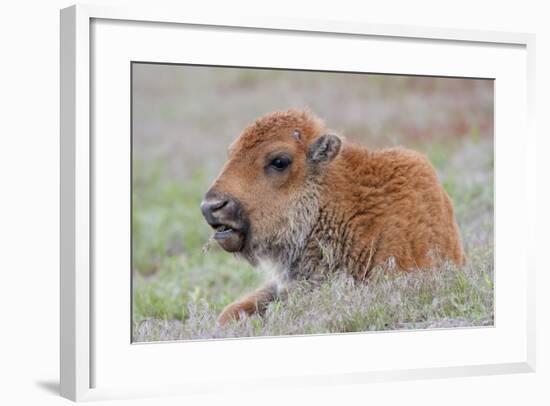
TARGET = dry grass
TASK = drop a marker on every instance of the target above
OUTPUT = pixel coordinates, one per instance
(437, 298)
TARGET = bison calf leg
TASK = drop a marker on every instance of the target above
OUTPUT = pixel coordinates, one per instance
(255, 302)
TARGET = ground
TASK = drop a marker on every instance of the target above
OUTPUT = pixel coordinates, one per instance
(184, 119)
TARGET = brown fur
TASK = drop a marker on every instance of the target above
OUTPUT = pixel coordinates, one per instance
(346, 209)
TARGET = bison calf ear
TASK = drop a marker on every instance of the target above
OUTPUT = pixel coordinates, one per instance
(324, 149)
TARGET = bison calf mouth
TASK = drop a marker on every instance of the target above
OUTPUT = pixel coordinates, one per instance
(229, 238)
(223, 230)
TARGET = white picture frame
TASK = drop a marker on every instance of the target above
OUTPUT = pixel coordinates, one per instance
(79, 184)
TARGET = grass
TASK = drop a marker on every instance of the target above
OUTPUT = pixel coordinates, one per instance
(444, 297)
(179, 290)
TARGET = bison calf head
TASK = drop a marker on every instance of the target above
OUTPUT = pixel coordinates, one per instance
(266, 195)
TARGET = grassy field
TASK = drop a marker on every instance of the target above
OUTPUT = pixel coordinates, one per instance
(179, 289)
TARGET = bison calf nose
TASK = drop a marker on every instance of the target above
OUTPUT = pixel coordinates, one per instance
(209, 206)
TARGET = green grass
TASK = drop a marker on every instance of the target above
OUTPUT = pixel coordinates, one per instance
(179, 289)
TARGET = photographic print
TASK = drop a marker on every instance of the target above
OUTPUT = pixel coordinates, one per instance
(271, 202)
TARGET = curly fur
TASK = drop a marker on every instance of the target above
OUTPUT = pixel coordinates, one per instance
(340, 208)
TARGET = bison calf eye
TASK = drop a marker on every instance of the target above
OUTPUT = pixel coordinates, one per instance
(280, 163)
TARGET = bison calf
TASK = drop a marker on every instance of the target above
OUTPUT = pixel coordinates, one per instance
(301, 202)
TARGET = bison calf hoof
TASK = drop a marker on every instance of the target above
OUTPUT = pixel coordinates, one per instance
(234, 311)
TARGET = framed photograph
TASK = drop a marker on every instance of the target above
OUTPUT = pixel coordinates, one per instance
(274, 202)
